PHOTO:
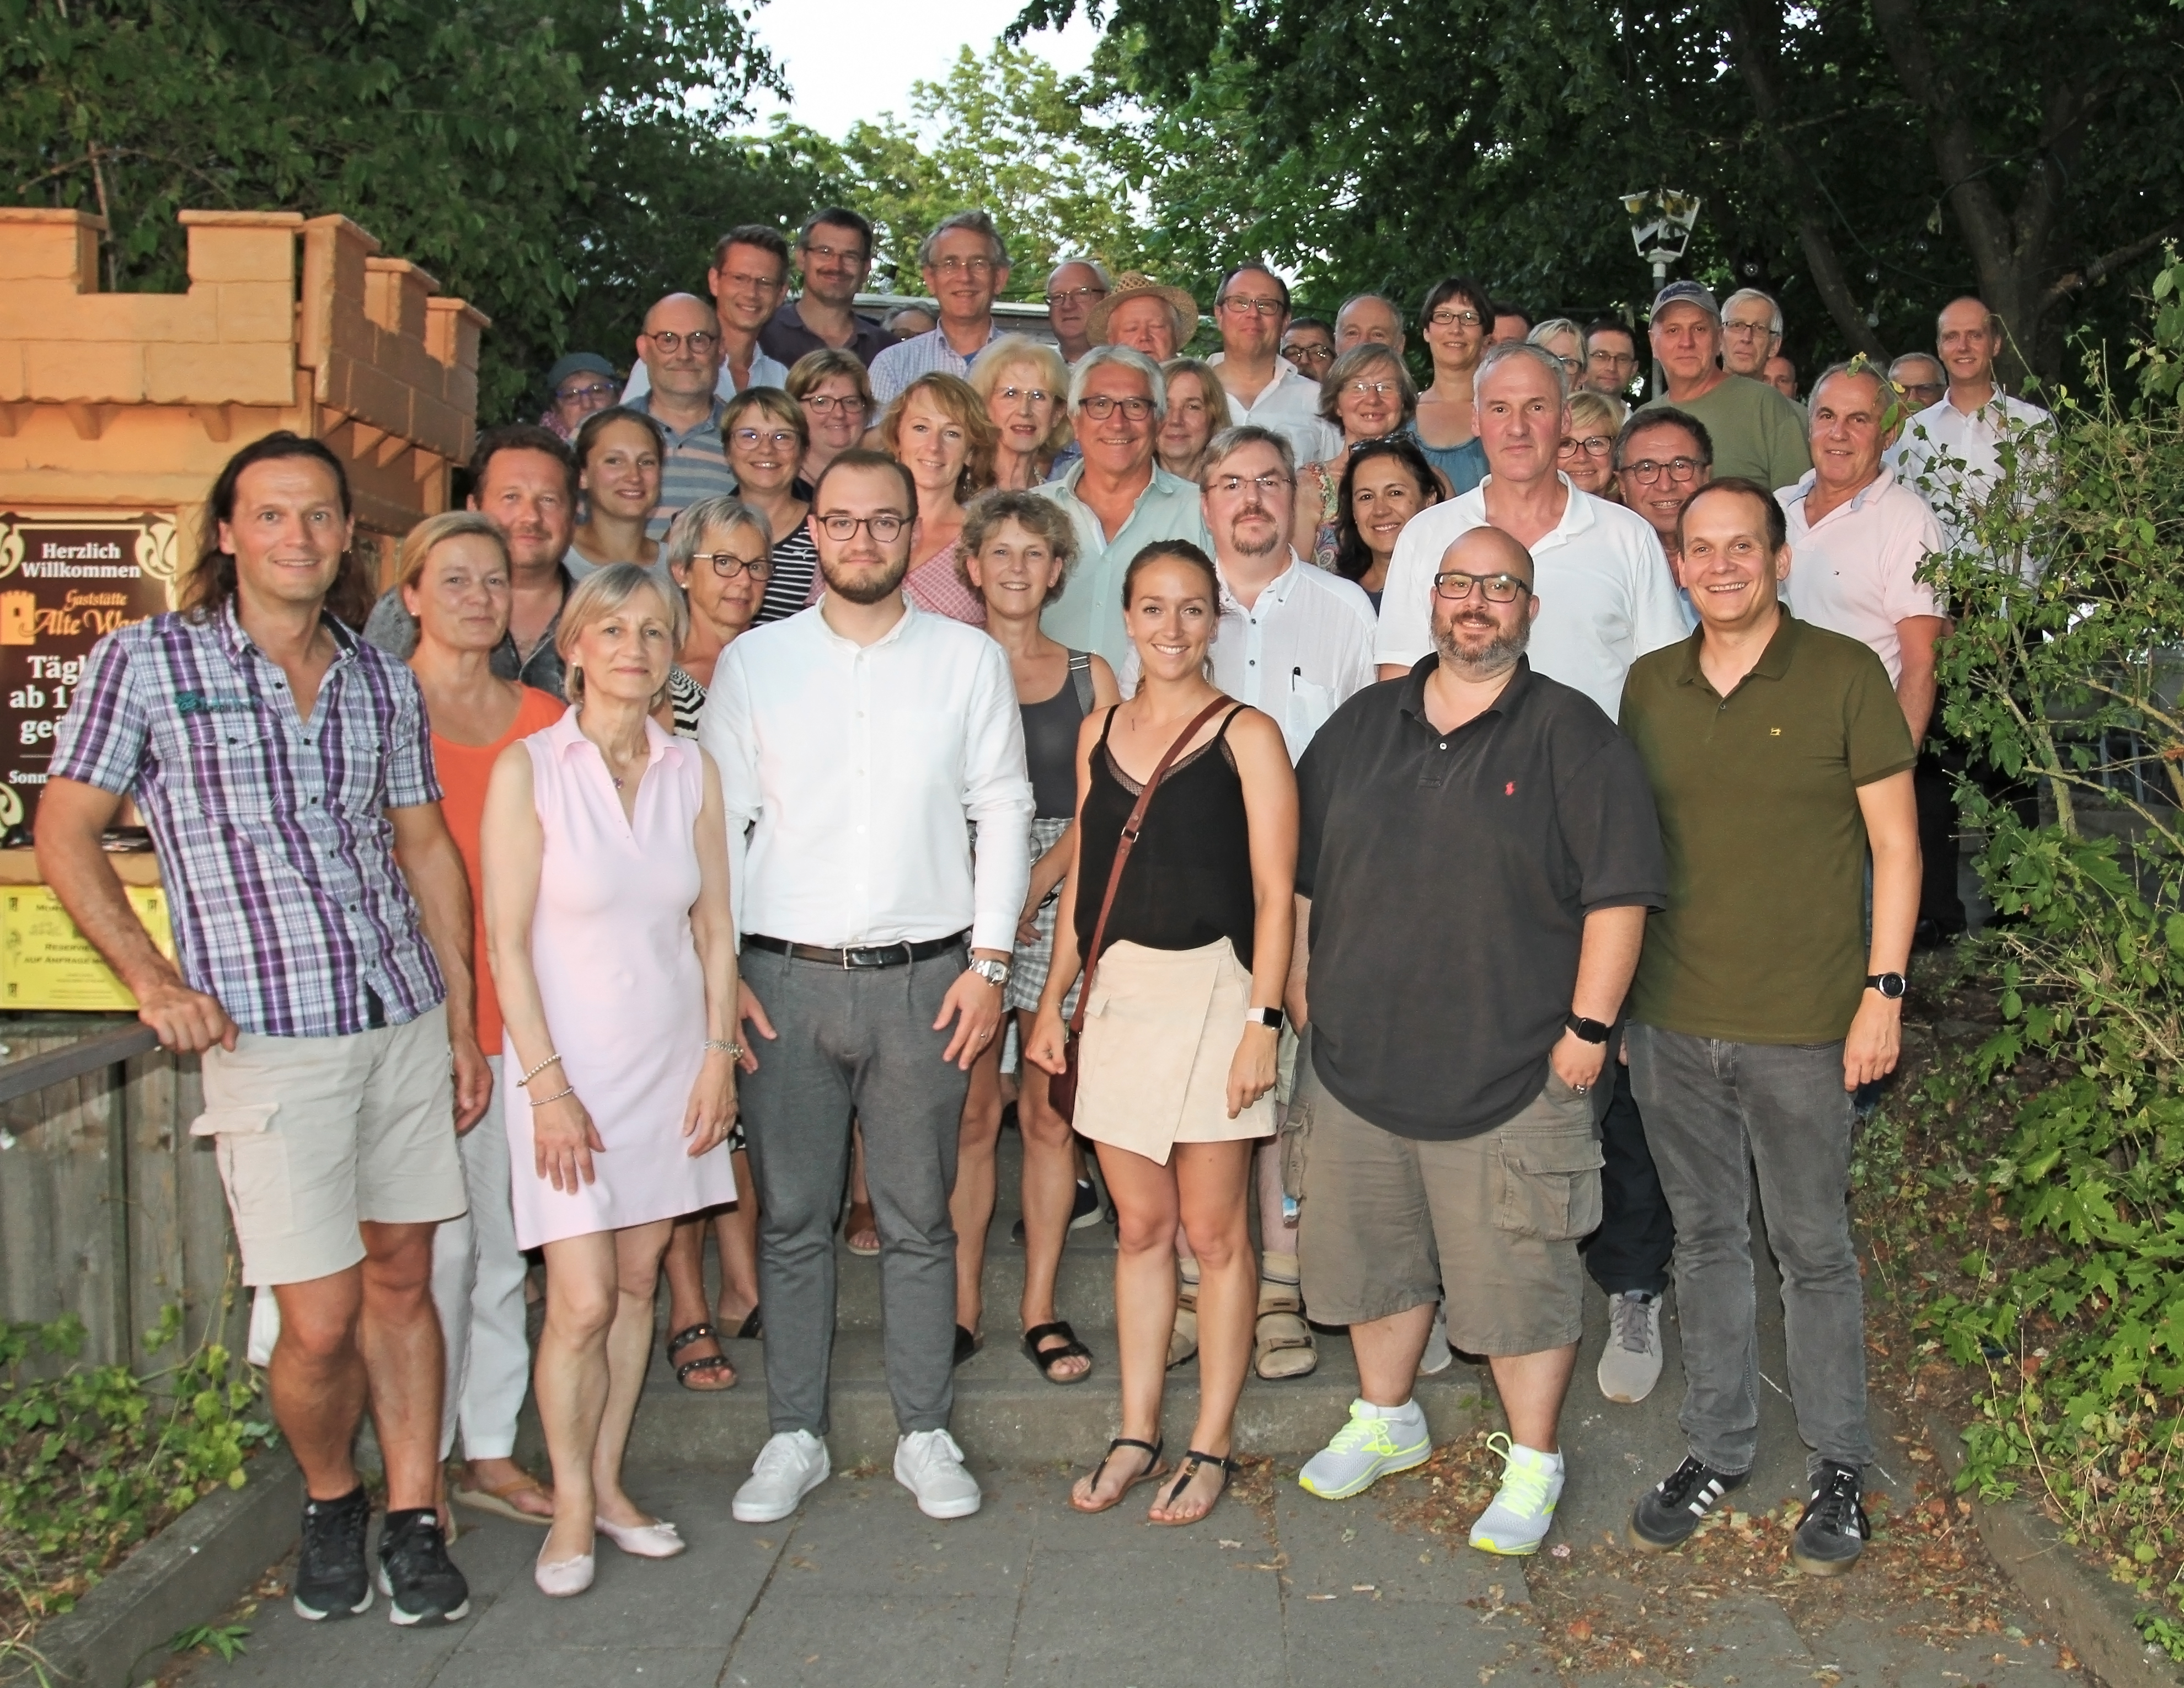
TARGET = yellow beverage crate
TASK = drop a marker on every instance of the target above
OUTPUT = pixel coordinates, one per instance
(46, 963)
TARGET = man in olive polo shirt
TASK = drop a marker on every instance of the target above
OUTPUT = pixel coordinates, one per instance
(1778, 756)
(1479, 849)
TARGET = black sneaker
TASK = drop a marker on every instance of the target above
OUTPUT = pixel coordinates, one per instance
(1083, 1209)
(1833, 1531)
(1667, 1513)
(331, 1579)
(416, 1574)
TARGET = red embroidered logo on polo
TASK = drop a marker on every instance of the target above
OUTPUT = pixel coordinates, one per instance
(1510, 789)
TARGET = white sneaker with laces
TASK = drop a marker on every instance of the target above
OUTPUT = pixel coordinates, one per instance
(1630, 1364)
(1524, 1505)
(789, 1466)
(929, 1464)
(1375, 1442)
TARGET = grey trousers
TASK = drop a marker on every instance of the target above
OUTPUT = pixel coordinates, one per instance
(1714, 1111)
(855, 1042)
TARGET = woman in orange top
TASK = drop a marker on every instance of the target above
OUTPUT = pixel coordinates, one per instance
(454, 580)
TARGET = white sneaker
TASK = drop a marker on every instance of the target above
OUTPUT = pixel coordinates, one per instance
(789, 1466)
(1439, 1357)
(1524, 1505)
(1374, 1442)
(929, 1464)
(1630, 1364)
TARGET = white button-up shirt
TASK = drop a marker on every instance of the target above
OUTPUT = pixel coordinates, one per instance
(1954, 459)
(854, 769)
(1289, 406)
(1606, 597)
(1855, 571)
(1302, 650)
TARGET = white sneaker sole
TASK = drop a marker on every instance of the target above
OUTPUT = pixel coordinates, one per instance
(397, 1615)
(772, 1512)
(961, 1507)
(1386, 1466)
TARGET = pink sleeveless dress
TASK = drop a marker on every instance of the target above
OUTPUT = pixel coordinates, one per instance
(625, 998)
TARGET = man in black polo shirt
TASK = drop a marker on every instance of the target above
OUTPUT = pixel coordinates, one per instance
(1778, 756)
(1479, 850)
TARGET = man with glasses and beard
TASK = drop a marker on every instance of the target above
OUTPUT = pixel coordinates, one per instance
(835, 254)
(1477, 852)
(855, 740)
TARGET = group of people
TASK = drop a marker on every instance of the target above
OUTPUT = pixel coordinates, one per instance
(1359, 809)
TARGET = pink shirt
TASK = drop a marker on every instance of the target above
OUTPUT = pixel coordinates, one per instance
(1854, 571)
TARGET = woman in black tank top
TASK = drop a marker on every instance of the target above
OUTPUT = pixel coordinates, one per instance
(1017, 547)
(1182, 1012)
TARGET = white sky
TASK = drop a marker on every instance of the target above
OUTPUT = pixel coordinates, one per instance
(847, 60)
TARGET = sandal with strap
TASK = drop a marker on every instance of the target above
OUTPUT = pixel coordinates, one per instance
(1153, 1470)
(1187, 1468)
(1183, 1338)
(710, 1363)
(861, 1221)
(1281, 1341)
(1045, 1358)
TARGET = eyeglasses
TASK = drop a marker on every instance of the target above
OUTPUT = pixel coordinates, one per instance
(1370, 389)
(750, 439)
(699, 341)
(1592, 445)
(963, 266)
(1927, 389)
(576, 395)
(883, 526)
(851, 254)
(1614, 360)
(1009, 395)
(1574, 367)
(727, 565)
(754, 284)
(1747, 331)
(1455, 586)
(1229, 485)
(1084, 295)
(1446, 318)
(1256, 307)
(825, 403)
(1098, 406)
(1645, 471)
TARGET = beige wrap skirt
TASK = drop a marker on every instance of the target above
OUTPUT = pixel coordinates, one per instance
(1161, 1031)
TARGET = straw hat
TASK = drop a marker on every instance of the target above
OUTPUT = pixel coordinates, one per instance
(1133, 286)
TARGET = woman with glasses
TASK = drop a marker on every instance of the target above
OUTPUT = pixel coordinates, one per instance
(1025, 386)
(766, 436)
(1384, 484)
(1587, 453)
(1197, 408)
(938, 429)
(619, 453)
(1457, 318)
(1565, 342)
(1369, 395)
(836, 395)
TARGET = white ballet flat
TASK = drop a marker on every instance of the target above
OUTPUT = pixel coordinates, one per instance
(644, 1540)
(565, 1577)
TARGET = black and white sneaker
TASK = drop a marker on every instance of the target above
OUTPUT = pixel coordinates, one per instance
(1084, 1211)
(416, 1574)
(1668, 1512)
(1833, 1531)
(331, 1577)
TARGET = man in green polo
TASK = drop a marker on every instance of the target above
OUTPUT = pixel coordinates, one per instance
(1778, 756)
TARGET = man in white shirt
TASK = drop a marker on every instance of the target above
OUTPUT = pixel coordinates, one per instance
(1605, 595)
(1251, 310)
(855, 740)
(1951, 451)
(748, 280)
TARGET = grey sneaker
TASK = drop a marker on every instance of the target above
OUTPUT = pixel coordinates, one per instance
(1374, 1442)
(1630, 1364)
(1438, 1356)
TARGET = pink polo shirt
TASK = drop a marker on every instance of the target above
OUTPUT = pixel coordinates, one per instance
(1854, 571)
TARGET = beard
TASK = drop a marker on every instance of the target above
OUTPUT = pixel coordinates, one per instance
(1274, 539)
(1496, 657)
(864, 585)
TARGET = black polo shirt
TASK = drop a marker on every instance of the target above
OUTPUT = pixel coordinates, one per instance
(786, 338)
(1450, 876)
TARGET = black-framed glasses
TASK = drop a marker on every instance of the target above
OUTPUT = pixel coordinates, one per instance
(1089, 294)
(825, 403)
(698, 339)
(1098, 406)
(883, 527)
(1645, 471)
(1447, 318)
(1614, 360)
(727, 565)
(1263, 305)
(1592, 445)
(1455, 586)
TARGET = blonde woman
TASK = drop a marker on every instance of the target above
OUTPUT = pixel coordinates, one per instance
(1564, 341)
(1369, 395)
(1025, 388)
(1197, 409)
(939, 430)
(837, 397)
(1587, 452)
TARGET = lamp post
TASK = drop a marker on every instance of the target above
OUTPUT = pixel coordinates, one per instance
(1661, 223)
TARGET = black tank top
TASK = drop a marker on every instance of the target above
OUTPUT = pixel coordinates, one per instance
(1189, 881)
(1049, 731)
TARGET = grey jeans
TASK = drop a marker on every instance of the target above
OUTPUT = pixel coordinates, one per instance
(1714, 1111)
(855, 1042)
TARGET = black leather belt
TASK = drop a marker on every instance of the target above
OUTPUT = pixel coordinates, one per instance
(888, 956)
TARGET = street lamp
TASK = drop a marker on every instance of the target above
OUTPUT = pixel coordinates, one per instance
(1661, 223)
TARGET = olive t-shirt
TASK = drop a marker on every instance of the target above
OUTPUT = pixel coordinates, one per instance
(1762, 940)
(1757, 432)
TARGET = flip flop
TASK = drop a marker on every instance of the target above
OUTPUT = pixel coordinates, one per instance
(1188, 1468)
(1153, 1470)
(497, 1501)
(861, 1218)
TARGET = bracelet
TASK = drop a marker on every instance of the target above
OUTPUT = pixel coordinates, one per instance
(566, 1090)
(733, 1051)
(538, 1069)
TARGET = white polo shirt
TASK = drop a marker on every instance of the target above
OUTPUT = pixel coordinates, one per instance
(1606, 597)
(1302, 650)
(1289, 406)
(1953, 459)
(1854, 571)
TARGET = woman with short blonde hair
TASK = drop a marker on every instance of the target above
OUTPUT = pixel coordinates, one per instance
(939, 430)
(1193, 418)
(1025, 388)
(1587, 452)
(837, 397)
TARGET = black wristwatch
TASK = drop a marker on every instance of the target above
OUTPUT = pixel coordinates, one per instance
(1889, 985)
(1591, 1031)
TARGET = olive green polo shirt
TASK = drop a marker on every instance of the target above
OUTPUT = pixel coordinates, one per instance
(1762, 940)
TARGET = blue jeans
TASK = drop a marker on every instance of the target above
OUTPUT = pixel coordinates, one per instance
(1713, 1112)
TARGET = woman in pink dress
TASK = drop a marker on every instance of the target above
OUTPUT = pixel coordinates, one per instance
(939, 430)
(606, 893)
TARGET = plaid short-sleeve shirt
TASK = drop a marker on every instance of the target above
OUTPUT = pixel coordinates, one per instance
(271, 830)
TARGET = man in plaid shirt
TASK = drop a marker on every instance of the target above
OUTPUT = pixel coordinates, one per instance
(323, 924)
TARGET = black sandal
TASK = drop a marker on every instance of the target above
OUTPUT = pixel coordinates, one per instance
(753, 1327)
(1186, 1469)
(967, 1343)
(683, 1338)
(1044, 1358)
(1153, 1471)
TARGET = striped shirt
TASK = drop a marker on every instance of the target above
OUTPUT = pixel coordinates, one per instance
(792, 584)
(696, 467)
(271, 831)
(906, 360)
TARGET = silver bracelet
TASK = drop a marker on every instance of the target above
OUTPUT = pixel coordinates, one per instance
(538, 1069)
(733, 1051)
(567, 1090)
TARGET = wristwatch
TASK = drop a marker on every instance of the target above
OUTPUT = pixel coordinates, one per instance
(1889, 985)
(996, 973)
(1591, 1031)
(1268, 1017)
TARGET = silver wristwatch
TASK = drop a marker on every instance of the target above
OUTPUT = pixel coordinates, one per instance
(996, 973)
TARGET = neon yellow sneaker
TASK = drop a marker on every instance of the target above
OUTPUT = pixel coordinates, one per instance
(1524, 1505)
(1377, 1440)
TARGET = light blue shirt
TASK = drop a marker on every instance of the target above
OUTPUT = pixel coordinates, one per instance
(1089, 614)
(906, 360)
